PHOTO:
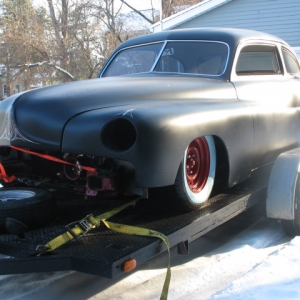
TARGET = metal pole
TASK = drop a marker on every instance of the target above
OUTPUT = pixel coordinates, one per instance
(161, 12)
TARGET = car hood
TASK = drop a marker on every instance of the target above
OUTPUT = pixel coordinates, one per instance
(39, 116)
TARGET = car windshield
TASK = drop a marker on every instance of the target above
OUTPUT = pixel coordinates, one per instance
(189, 57)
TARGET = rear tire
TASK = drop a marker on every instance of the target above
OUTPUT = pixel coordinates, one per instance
(292, 227)
(32, 206)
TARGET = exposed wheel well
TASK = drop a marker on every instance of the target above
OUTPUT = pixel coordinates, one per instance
(222, 167)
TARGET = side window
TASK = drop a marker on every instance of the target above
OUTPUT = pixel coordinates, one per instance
(258, 60)
(290, 61)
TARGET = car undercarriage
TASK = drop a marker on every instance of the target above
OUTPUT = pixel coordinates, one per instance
(84, 174)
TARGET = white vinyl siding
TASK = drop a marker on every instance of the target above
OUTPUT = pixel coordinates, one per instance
(297, 50)
(278, 17)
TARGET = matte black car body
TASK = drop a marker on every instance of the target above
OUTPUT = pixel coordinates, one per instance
(145, 121)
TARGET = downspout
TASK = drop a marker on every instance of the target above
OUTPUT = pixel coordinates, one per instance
(161, 12)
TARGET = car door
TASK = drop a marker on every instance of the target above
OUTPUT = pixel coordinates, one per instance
(262, 81)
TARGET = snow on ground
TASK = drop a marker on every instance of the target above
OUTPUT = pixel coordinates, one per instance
(249, 257)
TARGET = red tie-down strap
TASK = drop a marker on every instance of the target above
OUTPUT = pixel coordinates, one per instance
(4, 177)
(7, 179)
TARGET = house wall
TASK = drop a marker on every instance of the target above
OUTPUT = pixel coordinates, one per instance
(16, 87)
(278, 17)
(297, 50)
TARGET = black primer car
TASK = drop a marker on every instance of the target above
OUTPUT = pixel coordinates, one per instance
(183, 109)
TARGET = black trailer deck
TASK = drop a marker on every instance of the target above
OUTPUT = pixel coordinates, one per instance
(102, 252)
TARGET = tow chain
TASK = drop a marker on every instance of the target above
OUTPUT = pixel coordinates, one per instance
(76, 230)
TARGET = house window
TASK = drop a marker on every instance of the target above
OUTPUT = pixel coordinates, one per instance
(17, 88)
(4, 89)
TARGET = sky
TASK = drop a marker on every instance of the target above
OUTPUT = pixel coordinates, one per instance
(144, 4)
(138, 4)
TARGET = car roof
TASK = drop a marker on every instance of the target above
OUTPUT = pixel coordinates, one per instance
(231, 36)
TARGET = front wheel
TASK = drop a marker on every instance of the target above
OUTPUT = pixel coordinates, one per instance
(196, 174)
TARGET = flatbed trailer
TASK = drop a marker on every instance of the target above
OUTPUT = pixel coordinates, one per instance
(103, 252)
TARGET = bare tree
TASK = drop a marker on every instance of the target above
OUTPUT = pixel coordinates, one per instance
(169, 7)
(68, 39)
(17, 21)
(152, 19)
(84, 33)
(60, 26)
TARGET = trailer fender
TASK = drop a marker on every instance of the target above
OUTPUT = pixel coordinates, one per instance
(282, 186)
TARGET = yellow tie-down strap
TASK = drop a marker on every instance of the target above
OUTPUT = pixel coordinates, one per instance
(77, 229)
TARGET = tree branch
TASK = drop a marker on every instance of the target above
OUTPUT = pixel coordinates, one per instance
(138, 12)
(49, 63)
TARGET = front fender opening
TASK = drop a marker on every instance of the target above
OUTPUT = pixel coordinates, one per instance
(119, 135)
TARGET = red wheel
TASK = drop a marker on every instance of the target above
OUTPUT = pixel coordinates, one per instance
(197, 163)
(195, 178)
